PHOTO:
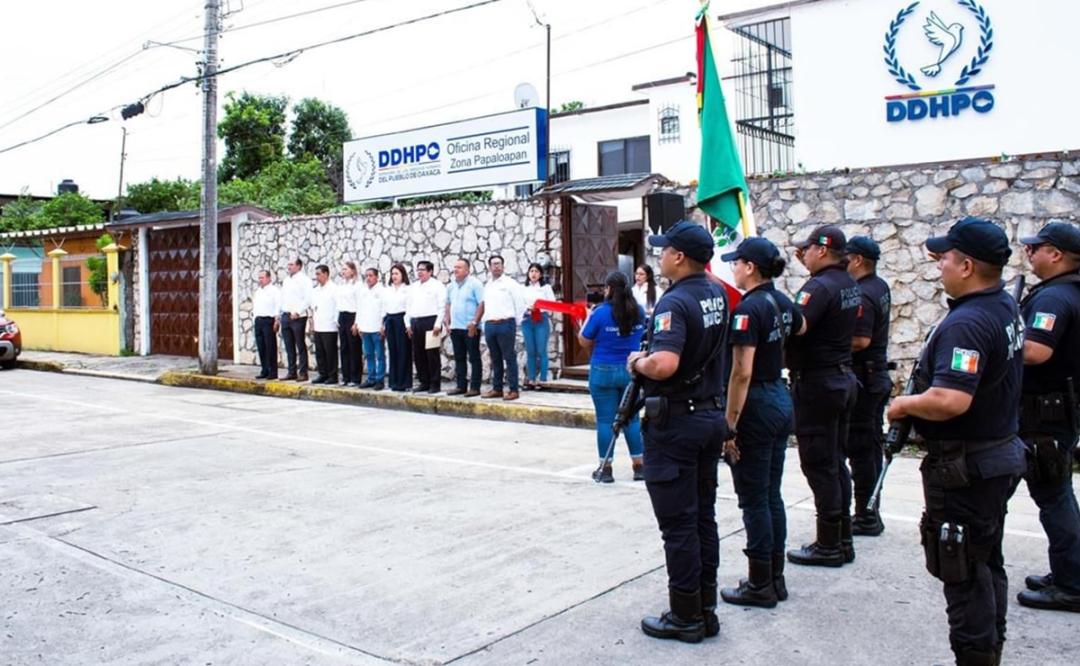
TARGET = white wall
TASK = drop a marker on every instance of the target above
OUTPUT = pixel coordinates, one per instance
(840, 81)
(678, 161)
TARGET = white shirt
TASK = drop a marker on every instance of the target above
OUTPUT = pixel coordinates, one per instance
(370, 307)
(641, 295)
(535, 292)
(346, 296)
(425, 300)
(324, 307)
(296, 294)
(266, 301)
(395, 298)
(504, 299)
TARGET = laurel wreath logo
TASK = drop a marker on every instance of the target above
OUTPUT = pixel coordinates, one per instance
(982, 55)
(364, 173)
(891, 61)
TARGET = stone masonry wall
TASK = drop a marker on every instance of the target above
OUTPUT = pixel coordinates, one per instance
(440, 234)
(901, 207)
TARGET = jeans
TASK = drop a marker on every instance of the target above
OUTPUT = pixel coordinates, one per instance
(764, 428)
(466, 349)
(374, 357)
(536, 334)
(606, 386)
(500, 341)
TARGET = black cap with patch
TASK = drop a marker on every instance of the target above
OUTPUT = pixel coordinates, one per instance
(976, 237)
(826, 236)
(689, 238)
(1062, 235)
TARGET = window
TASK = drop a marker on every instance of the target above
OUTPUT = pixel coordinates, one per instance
(669, 124)
(559, 166)
(72, 285)
(625, 156)
(524, 191)
(764, 118)
(24, 290)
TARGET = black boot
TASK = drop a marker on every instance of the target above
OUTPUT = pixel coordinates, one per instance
(778, 576)
(867, 523)
(1039, 582)
(708, 609)
(757, 590)
(1050, 598)
(847, 544)
(998, 649)
(683, 622)
(825, 552)
(975, 657)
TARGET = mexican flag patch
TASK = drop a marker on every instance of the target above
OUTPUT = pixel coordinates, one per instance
(1044, 321)
(741, 323)
(965, 360)
(802, 298)
(663, 322)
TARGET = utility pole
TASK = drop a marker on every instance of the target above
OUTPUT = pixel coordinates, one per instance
(120, 188)
(208, 241)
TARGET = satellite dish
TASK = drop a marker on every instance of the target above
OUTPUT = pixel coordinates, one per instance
(525, 95)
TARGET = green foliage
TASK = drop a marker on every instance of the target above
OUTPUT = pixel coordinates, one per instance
(319, 131)
(21, 214)
(99, 271)
(254, 132)
(155, 196)
(366, 207)
(285, 187)
(567, 107)
(450, 197)
(69, 209)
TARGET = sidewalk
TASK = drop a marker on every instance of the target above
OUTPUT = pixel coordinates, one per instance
(554, 408)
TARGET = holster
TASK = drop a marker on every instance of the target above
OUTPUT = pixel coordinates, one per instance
(946, 465)
(945, 544)
(656, 410)
(1046, 409)
(1047, 460)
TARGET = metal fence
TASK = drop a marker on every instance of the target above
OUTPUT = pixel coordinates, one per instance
(80, 285)
(764, 117)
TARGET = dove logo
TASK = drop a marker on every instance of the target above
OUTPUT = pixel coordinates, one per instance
(946, 39)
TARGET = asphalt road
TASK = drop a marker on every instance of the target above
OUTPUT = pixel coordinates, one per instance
(141, 524)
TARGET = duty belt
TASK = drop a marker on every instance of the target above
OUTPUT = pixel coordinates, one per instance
(944, 447)
(824, 371)
(1042, 408)
(683, 407)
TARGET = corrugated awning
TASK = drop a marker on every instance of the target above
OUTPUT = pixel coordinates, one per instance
(605, 188)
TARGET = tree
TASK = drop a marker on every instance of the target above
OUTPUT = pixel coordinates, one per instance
(319, 131)
(155, 196)
(567, 107)
(19, 215)
(285, 187)
(69, 209)
(254, 132)
(99, 271)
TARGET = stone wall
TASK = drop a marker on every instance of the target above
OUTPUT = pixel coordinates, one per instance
(440, 234)
(901, 207)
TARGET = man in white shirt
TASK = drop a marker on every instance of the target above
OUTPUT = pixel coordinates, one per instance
(324, 319)
(503, 307)
(266, 306)
(423, 313)
(295, 303)
(370, 311)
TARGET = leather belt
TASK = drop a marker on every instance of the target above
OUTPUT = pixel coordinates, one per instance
(684, 407)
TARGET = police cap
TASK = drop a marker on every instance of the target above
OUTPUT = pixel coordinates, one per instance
(689, 238)
(757, 250)
(976, 237)
(1063, 236)
(864, 246)
(826, 236)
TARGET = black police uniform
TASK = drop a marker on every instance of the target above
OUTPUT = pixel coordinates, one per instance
(972, 462)
(823, 392)
(1048, 426)
(871, 365)
(684, 431)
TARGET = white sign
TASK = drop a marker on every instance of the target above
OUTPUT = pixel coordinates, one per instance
(493, 150)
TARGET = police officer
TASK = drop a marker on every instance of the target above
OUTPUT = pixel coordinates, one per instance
(1049, 413)
(759, 408)
(685, 429)
(870, 347)
(966, 409)
(823, 391)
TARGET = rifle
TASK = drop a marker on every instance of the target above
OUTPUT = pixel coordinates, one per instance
(628, 406)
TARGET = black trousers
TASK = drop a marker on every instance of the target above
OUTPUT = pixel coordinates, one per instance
(428, 364)
(266, 343)
(326, 355)
(466, 349)
(294, 337)
(400, 352)
(349, 344)
(681, 457)
(864, 443)
(823, 404)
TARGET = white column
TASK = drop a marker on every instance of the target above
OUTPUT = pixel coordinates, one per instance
(144, 290)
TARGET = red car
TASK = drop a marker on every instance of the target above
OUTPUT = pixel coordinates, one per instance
(10, 342)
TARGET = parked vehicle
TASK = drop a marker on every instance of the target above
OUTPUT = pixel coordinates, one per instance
(10, 342)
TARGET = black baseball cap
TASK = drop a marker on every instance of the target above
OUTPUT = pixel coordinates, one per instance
(864, 246)
(757, 250)
(826, 236)
(1063, 236)
(976, 237)
(689, 238)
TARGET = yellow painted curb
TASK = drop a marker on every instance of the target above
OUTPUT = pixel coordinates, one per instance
(40, 366)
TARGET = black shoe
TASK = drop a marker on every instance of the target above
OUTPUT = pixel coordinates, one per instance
(1050, 598)
(603, 475)
(434, 389)
(319, 380)
(420, 389)
(708, 609)
(779, 584)
(367, 384)
(683, 622)
(262, 376)
(1039, 582)
(867, 524)
(290, 377)
(757, 590)
(639, 472)
(976, 657)
(847, 544)
(378, 386)
(825, 552)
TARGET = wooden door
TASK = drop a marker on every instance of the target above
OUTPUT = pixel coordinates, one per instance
(591, 234)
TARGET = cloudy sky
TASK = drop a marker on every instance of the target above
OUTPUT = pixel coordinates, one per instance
(67, 61)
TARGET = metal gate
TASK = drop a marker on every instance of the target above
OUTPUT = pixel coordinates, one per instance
(174, 291)
(592, 252)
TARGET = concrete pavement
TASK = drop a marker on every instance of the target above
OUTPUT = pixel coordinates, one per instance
(147, 524)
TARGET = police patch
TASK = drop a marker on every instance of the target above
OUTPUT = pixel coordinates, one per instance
(741, 323)
(1044, 321)
(662, 323)
(802, 298)
(965, 360)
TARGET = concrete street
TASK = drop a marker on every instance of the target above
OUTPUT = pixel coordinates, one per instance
(145, 524)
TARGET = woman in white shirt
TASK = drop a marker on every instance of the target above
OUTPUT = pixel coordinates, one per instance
(646, 293)
(348, 342)
(397, 341)
(536, 328)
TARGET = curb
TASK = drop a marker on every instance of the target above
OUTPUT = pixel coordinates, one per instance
(422, 404)
(40, 366)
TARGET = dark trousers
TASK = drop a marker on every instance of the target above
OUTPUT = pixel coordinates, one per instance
(976, 608)
(823, 405)
(349, 346)
(500, 337)
(466, 349)
(294, 337)
(1059, 516)
(266, 343)
(763, 428)
(864, 443)
(400, 351)
(680, 474)
(326, 355)
(428, 365)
